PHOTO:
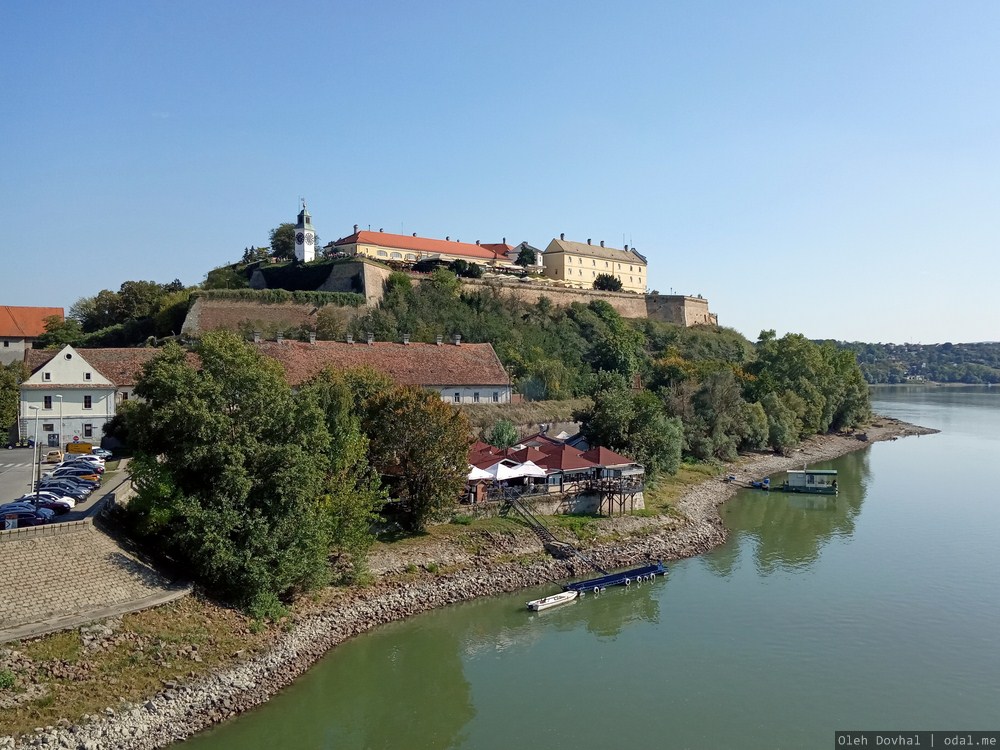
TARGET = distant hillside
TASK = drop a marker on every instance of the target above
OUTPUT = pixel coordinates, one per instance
(940, 363)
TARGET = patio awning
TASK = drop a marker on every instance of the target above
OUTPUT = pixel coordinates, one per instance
(475, 473)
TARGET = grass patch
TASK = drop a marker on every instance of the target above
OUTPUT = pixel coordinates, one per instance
(583, 526)
(190, 636)
(661, 495)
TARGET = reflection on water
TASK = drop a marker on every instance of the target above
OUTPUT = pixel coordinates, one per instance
(787, 531)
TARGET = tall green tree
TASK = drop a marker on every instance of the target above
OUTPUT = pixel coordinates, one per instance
(11, 377)
(283, 241)
(607, 282)
(420, 446)
(526, 257)
(503, 434)
(231, 468)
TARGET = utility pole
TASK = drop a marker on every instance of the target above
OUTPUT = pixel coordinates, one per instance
(34, 458)
(62, 437)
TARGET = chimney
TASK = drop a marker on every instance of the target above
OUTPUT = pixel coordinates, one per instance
(280, 337)
(350, 339)
(626, 248)
(562, 235)
(256, 337)
(447, 238)
(588, 240)
(312, 337)
(438, 340)
(602, 243)
(457, 339)
(371, 338)
(503, 240)
(355, 228)
(414, 234)
(477, 243)
(406, 338)
(381, 229)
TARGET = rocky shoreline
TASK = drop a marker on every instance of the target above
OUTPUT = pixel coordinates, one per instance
(181, 710)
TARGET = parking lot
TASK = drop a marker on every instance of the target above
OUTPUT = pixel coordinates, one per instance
(15, 480)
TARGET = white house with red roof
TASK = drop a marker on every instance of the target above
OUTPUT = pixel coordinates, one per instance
(72, 393)
(19, 327)
(412, 249)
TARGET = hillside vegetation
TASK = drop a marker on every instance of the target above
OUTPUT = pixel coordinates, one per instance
(941, 363)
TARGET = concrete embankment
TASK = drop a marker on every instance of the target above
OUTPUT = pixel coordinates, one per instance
(181, 710)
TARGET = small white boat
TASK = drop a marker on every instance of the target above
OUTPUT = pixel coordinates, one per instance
(552, 601)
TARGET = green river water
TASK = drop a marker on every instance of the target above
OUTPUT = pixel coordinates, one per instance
(876, 609)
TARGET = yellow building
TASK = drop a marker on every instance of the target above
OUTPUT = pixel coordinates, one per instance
(577, 264)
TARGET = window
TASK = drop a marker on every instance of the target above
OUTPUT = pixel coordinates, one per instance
(593, 262)
(475, 398)
(396, 256)
(88, 430)
(86, 376)
(458, 397)
(48, 427)
(6, 344)
(48, 403)
(88, 402)
(46, 376)
(411, 256)
(496, 397)
(383, 254)
(124, 395)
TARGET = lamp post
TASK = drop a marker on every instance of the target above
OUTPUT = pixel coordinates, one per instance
(62, 438)
(34, 456)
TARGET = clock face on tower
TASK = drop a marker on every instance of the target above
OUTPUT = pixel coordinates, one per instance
(298, 238)
(309, 238)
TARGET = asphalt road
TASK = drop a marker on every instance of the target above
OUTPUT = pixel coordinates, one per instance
(15, 473)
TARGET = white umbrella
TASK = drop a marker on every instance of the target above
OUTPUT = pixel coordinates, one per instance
(530, 469)
(476, 473)
(501, 472)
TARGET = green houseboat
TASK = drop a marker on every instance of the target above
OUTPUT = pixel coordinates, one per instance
(812, 481)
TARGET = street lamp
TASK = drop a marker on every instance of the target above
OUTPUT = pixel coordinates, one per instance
(34, 456)
(62, 438)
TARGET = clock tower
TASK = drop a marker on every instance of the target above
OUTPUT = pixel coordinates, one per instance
(305, 237)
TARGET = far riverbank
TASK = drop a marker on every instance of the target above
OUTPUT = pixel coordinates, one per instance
(510, 563)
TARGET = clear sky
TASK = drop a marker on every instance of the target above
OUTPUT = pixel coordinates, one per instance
(828, 168)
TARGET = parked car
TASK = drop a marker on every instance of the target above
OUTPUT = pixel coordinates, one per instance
(93, 466)
(67, 486)
(101, 453)
(50, 497)
(53, 457)
(24, 518)
(73, 471)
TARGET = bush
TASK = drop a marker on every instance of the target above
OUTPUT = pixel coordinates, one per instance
(281, 296)
(7, 679)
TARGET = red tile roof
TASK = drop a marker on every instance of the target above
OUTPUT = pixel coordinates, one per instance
(524, 454)
(25, 322)
(605, 457)
(425, 245)
(407, 364)
(565, 459)
(121, 366)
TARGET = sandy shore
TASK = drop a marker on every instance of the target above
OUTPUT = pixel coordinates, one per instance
(178, 711)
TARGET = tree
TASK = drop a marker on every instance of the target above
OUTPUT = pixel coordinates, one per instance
(420, 446)
(608, 282)
(503, 435)
(11, 377)
(230, 470)
(59, 332)
(526, 257)
(283, 241)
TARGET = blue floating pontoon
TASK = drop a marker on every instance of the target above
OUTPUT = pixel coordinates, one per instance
(625, 578)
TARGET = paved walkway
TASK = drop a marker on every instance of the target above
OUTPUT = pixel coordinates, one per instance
(73, 576)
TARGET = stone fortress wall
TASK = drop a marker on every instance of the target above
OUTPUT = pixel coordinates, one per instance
(368, 277)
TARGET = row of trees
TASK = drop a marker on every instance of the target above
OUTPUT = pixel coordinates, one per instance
(661, 392)
(975, 363)
(252, 487)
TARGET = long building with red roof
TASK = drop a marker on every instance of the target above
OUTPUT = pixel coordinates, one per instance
(404, 248)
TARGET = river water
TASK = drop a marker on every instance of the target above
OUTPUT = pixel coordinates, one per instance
(876, 609)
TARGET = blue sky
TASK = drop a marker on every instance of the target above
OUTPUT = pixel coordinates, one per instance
(829, 168)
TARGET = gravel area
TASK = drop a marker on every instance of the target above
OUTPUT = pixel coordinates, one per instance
(180, 710)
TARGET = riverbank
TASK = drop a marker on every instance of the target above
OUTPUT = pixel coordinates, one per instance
(509, 563)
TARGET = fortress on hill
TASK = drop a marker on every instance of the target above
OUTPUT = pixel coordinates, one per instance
(360, 263)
